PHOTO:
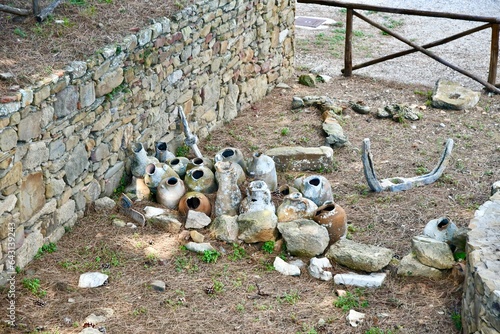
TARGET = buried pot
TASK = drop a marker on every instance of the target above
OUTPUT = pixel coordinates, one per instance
(295, 206)
(195, 201)
(333, 217)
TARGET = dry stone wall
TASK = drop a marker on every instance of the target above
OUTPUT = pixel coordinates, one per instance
(481, 298)
(65, 142)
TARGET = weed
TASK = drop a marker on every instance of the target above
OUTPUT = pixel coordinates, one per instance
(140, 310)
(457, 320)
(376, 330)
(238, 253)
(210, 256)
(185, 263)
(268, 247)
(308, 330)
(421, 170)
(285, 131)
(20, 32)
(47, 248)
(351, 300)
(182, 151)
(33, 286)
(291, 298)
(218, 286)
(240, 308)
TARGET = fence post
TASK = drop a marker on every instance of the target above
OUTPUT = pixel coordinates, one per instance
(492, 75)
(348, 44)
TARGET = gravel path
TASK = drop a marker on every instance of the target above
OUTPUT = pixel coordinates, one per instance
(470, 53)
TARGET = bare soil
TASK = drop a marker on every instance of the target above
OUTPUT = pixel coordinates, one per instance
(240, 292)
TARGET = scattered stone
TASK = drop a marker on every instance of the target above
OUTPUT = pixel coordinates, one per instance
(359, 256)
(341, 293)
(297, 158)
(119, 223)
(197, 219)
(374, 280)
(71, 300)
(285, 268)
(432, 253)
(297, 103)
(399, 112)
(199, 247)
(94, 319)
(441, 229)
(131, 225)
(257, 226)
(410, 266)
(304, 237)
(297, 262)
(450, 95)
(308, 80)
(360, 108)
(166, 223)
(317, 268)
(92, 280)
(90, 330)
(225, 228)
(197, 236)
(355, 318)
(104, 204)
(158, 285)
(323, 78)
(6, 76)
(335, 133)
(283, 86)
(151, 211)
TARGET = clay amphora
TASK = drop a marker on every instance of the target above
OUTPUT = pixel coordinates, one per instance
(179, 165)
(170, 191)
(258, 198)
(162, 153)
(294, 206)
(140, 160)
(262, 167)
(442, 229)
(200, 179)
(155, 173)
(231, 154)
(199, 162)
(228, 198)
(287, 190)
(315, 187)
(195, 201)
(333, 217)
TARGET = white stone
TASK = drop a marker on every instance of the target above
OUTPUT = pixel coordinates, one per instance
(199, 247)
(92, 280)
(285, 268)
(151, 211)
(94, 319)
(369, 281)
(197, 219)
(355, 318)
(317, 268)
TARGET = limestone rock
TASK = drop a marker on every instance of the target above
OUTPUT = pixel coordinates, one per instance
(410, 266)
(297, 158)
(158, 285)
(432, 253)
(196, 219)
(369, 281)
(304, 237)
(225, 228)
(197, 236)
(355, 318)
(104, 204)
(359, 256)
(199, 247)
(285, 268)
(257, 226)
(450, 95)
(92, 280)
(166, 223)
(317, 268)
(334, 131)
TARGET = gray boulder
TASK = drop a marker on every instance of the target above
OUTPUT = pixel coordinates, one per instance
(432, 253)
(257, 226)
(304, 237)
(410, 266)
(450, 95)
(196, 219)
(225, 228)
(359, 256)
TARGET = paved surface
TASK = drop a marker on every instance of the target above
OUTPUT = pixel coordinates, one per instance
(471, 53)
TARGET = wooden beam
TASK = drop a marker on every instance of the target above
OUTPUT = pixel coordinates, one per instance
(415, 12)
(348, 44)
(15, 11)
(427, 46)
(429, 53)
(492, 74)
(36, 7)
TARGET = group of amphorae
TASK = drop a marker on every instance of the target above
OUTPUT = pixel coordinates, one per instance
(181, 184)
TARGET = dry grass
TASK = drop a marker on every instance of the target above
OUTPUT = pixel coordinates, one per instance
(251, 298)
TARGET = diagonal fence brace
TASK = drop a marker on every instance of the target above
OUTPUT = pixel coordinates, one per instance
(402, 183)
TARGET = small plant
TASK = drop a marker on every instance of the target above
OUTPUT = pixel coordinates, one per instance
(457, 320)
(268, 247)
(240, 308)
(20, 32)
(121, 187)
(33, 286)
(182, 151)
(421, 170)
(140, 310)
(351, 301)
(285, 131)
(218, 286)
(238, 253)
(47, 248)
(376, 330)
(210, 256)
(291, 298)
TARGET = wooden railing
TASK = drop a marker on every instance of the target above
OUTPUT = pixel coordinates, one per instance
(491, 22)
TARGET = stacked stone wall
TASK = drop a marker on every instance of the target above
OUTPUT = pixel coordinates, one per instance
(65, 141)
(481, 298)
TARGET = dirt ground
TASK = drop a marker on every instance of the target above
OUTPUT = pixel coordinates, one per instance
(240, 293)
